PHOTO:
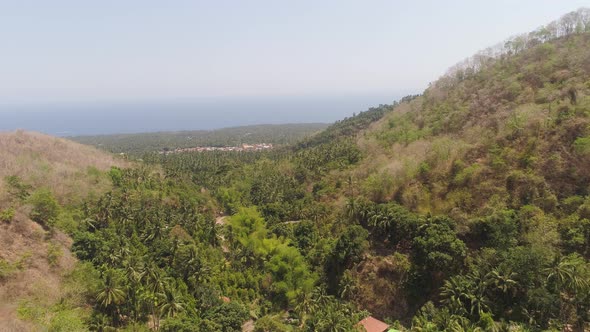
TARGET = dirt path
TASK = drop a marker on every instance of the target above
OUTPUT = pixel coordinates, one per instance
(220, 220)
(248, 326)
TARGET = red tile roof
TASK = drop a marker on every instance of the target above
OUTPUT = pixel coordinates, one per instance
(373, 325)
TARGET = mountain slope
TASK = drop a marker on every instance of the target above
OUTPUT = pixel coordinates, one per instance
(69, 169)
(501, 146)
(523, 118)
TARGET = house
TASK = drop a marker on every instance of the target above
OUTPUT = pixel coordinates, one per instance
(371, 324)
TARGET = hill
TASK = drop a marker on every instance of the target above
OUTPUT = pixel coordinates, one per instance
(43, 179)
(499, 146)
(522, 119)
(69, 169)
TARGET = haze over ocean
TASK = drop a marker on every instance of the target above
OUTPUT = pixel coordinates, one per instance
(74, 119)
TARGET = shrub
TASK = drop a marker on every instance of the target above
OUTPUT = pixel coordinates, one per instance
(575, 235)
(467, 175)
(182, 323)
(582, 146)
(379, 186)
(24, 261)
(584, 209)
(270, 324)
(7, 215)
(17, 188)
(571, 204)
(525, 188)
(229, 316)
(437, 248)
(65, 221)
(54, 253)
(116, 176)
(45, 207)
(88, 246)
(34, 312)
(6, 269)
(499, 230)
(65, 321)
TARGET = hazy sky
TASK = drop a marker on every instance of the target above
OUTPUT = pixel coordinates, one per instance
(141, 50)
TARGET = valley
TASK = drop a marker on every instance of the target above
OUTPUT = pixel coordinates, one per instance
(463, 208)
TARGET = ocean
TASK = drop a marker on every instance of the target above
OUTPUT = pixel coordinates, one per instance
(75, 119)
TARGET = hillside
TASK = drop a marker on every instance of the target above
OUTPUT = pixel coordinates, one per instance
(349, 127)
(44, 174)
(500, 147)
(70, 169)
(522, 118)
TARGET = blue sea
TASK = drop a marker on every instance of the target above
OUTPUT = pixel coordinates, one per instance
(73, 119)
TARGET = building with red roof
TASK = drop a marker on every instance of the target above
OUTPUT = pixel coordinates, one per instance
(371, 324)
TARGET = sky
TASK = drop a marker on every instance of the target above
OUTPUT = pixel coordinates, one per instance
(141, 50)
(72, 52)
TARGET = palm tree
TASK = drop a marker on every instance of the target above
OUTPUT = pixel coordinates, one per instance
(153, 302)
(465, 295)
(567, 274)
(304, 307)
(172, 303)
(501, 284)
(154, 281)
(110, 293)
(504, 281)
(477, 298)
(455, 293)
(135, 273)
(479, 303)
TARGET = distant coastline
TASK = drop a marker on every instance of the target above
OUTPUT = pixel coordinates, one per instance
(129, 118)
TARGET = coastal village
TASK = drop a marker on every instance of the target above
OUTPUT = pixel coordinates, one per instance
(242, 148)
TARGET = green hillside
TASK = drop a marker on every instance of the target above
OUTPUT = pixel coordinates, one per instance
(139, 144)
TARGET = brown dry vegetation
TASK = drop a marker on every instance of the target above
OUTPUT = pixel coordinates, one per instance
(374, 290)
(466, 133)
(35, 261)
(67, 168)
(33, 276)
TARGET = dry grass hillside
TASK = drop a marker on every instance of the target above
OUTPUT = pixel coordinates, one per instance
(69, 169)
(473, 140)
(35, 261)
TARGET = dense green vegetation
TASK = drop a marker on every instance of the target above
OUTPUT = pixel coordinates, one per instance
(139, 144)
(350, 127)
(466, 208)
